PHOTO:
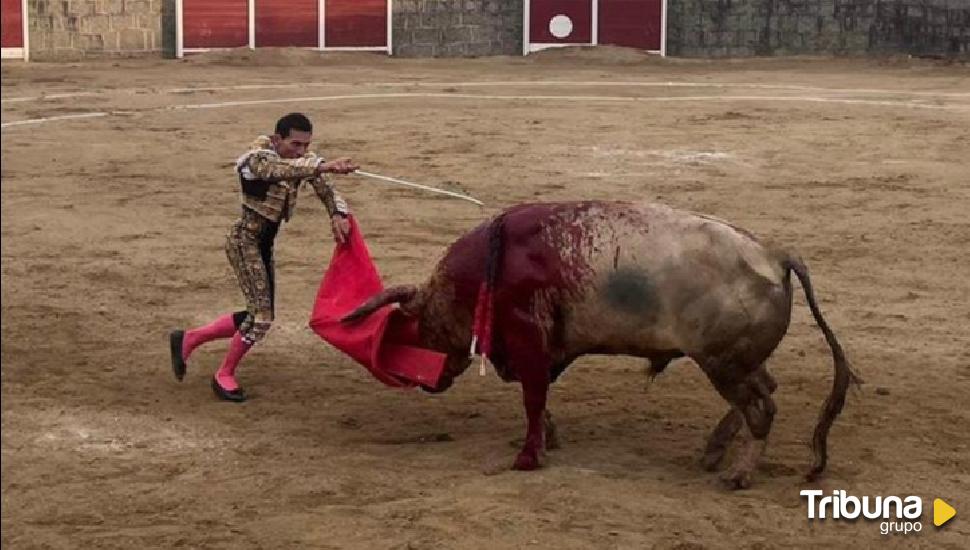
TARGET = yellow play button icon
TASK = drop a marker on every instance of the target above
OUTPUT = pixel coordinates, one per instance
(942, 512)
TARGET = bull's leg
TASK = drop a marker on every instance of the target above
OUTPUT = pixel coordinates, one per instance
(535, 386)
(720, 438)
(552, 433)
(752, 397)
(727, 428)
(527, 358)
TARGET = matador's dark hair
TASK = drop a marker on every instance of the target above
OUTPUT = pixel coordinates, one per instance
(293, 121)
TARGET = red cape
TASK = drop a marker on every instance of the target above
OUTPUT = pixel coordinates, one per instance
(386, 342)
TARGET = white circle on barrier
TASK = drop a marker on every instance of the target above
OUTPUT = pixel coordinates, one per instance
(561, 26)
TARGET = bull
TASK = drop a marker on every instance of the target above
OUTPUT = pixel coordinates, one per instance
(543, 284)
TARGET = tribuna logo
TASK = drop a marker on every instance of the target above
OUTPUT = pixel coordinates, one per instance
(900, 515)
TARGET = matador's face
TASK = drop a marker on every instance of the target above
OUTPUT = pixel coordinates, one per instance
(294, 145)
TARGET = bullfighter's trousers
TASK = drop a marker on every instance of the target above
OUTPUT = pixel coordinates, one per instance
(249, 246)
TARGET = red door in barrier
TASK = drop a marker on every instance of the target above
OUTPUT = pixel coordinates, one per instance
(631, 23)
(355, 23)
(287, 23)
(561, 21)
(215, 23)
(12, 25)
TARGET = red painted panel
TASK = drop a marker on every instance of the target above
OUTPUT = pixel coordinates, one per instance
(287, 23)
(355, 23)
(215, 23)
(12, 24)
(632, 23)
(580, 12)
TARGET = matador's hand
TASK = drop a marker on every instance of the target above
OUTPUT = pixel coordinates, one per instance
(339, 166)
(341, 228)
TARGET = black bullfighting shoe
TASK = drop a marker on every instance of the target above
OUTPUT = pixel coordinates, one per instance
(237, 395)
(175, 339)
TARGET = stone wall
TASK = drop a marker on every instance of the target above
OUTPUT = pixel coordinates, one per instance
(781, 27)
(76, 28)
(453, 28)
(450, 28)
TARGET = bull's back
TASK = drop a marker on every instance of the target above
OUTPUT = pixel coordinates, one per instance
(656, 278)
(622, 277)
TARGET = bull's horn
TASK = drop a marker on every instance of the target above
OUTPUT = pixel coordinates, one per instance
(393, 295)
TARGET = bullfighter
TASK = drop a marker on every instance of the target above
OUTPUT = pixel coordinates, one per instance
(270, 174)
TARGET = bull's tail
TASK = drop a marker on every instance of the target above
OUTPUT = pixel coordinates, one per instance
(393, 295)
(843, 372)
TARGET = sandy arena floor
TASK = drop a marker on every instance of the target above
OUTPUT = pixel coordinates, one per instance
(112, 234)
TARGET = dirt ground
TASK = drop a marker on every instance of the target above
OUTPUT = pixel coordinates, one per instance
(112, 234)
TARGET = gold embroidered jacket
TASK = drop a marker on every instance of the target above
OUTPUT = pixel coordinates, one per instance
(270, 184)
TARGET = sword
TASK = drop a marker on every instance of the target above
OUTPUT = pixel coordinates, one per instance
(419, 186)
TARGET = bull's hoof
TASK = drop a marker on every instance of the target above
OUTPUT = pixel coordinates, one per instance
(527, 461)
(736, 479)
